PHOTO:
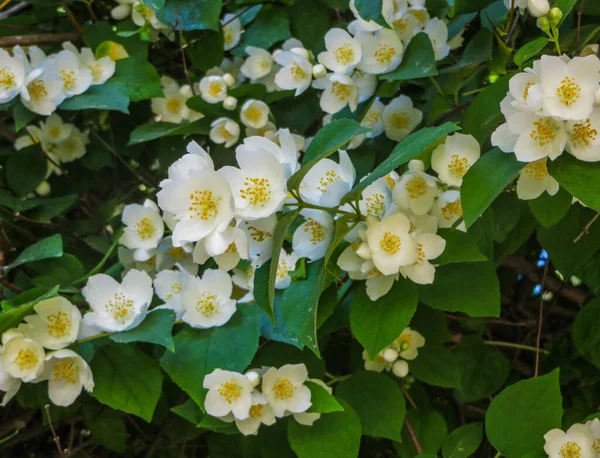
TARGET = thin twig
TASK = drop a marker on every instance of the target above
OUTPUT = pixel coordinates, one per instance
(413, 436)
(496, 343)
(56, 438)
(409, 398)
(586, 228)
(38, 39)
(579, 14)
(91, 11)
(185, 67)
(73, 19)
(540, 320)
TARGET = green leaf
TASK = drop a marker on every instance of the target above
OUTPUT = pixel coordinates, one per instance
(518, 418)
(549, 210)
(22, 116)
(196, 15)
(154, 130)
(418, 60)
(585, 332)
(189, 410)
(126, 379)
(436, 365)
(62, 271)
(271, 26)
(529, 50)
(328, 140)
(25, 170)
(470, 6)
(253, 91)
(407, 149)
(378, 401)
(322, 401)
(470, 287)
(200, 351)
(156, 328)
(51, 247)
(50, 208)
(478, 50)
(335, 434)
(205, 49)
(17, 204)
(579, 178)
(430, 430)
(308, 23)
(138, 77)
(108, 96)
(431, 324)
(483, 115)
(94, 34)
(371, 10)
(19, 307)
(376, 324)
(483, 369)
(485, 180)
(463, 441)
(460, 247)
(197, 103)
(106, 427)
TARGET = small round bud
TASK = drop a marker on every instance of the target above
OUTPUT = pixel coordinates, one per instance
(555, 15)
(229, 79)
(43, 189)
(547, 296)
(230, 103)
(253, 378)
(544, 24)
(410, 379)
(300, 51)
(390, 355)
(319, 71)
(416, 164)
(400, 368)
(575, 281)
(538, 8)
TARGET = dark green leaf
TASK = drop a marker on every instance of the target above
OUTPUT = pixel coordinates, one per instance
(429, 428)
(418, 60)
(189, 410)
(95, 34)
(566, 6)
(186, 15)
(106, 426)
(309, 23)
(22, 116)
(51, 247)
(371, 10)
(19, 307)
(25, 170)
(432, 324)
(253, 91)
(529, 50)
(271, 26)
(483, 115)
(579, 178)
(463, 441)
(585, 332)
(549, 210)
(62, 271)
(436, 365)
(470, 6)
(154, 130)
(205, 49)
(478, 50)
(322, 401)
(460, 247)
(156, 328)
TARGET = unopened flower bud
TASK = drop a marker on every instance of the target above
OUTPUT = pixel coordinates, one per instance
(43, 189)
(390, 355)
(253, 378)
(229, 79)
(230, 103)
(416, 164)
(300, 51)
(538, 8)
(555, 15)
(400, 368)
(319, 71)
(544, 24)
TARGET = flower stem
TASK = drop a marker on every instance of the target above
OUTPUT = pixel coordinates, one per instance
(496, 343)
(326, 209)
(99, 266)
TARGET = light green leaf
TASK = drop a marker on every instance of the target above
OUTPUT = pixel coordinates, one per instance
(469, 287)
(127, 379)
(485, 180)
(186, 15)
(25, 170)
(21, 306)
(585, 332)
(51, 247)
(200, 351)
(579, 178)
(463, 441)
(529, 50)
(189, 410)
(138, 77)
(549, 210)
(322, 401)
(430, 430)
(154, 130)
(377, 400)
(436, 365)
(156, 328)
(518, 418)
(460, 247)
(376, 324)
(335, 434)
(418, 60)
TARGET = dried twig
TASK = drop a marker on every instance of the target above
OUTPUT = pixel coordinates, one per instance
(37, 39)
(579, 14)
(586, 228)
(56, 438)
(413, 436)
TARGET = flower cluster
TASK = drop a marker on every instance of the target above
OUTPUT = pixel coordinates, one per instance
(23, 358)
(141, 15)
(394, 356)
(44, 82)
(260, 396)
(552, 106)
(580, 440)
(172, 107)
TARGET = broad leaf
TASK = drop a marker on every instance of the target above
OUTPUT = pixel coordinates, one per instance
(371, 10)
(483, 115)
(26, 169)
(429, 428)
(463, 442)
(51, 247)
(460, 247)
(186, 15)
(418, 60)
(156, 328)
(549, 210)
(585, 332)
(322, 401)
(436, 365)
(21, 306)
(529, 50)
(579, 178)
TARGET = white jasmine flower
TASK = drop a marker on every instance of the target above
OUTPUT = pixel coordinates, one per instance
(429, 246)
(207, 300)
(408, 344)
(308, 418)
(373, 119)
(12, 76)
(67, 374)
(75, 79)
(213, 89)
(54, 130)
(387, 10)
(142, 14)
(569, 87)
(22, 357)
(55, 324)
(503, 138)
(285, 390)
(286, 264)
(232, 31)
(228, 392)
(126, 258)
(438, 34)
(260, 413)
(168, 256)
(365, 83)
(594, 426)
(254, 113)
(122, 10)
(172, 107)
(343, 52)
(227, 248)
(34, 136)
(538, 8)
(244, 279)
(296, 72)
(534, 180)
(267, 131)
(45, 92)
(224, 130)
(376, 199)
(258, 63)
(8, 384)
(406, 25)
(117, 307)
(521, 4)
(591, 49)
(259, 234)
(583, 140)
(168, 285)
(447, 209)
(453, 158)
(144, 229)
(196, 159)
(536, 136)
(102, 69)
(72, 148)
(400, 368)
(416, 191)
(379, 364)
(327, 182)
(390, 245)
(382, 51)
(577, 442)
(312, 238)
(338, 91)
(285, 150)
(400, 118)
(526, 90)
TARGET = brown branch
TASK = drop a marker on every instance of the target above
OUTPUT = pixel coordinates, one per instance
(37, 39)
(73, 19)
(586, 228)
(540, 320)
(413, 436)
(56, 438)
(579, 14)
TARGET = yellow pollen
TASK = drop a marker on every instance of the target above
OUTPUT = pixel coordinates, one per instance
(145, 228)
(253, 113)
(401, 24)
(329, 177)
(583, 133)
(416, 187)
(7, 78)
(390, 182)
(264, 64)
(26, 360)
(568, 92)
(420, 253)
(297, 72)
(256, 191)
(452, 210)
(207, 305)
(231, 391)
(54, 132)
(390, 243)
(420, 15)
(344, 54)
(174, 105)
(284, 389)
(203, 204)
(400, 120)
(256, 411)
(175, 290)
(65, 370)
(119, 306)
(596, 445)
(341, 91)
(282, 268)
(371, 118)
(145, 11)
(537, 169)
(375, 204)
(544, 131)
(257, 234)
(177, 253)
(227, 35)
(570, 450)
(224, 132)
(458, 166)
(37, 90)
(526, 90)
(385, 54)
(232, 248)
(96, 70)
(404, 341)
(59, 324)
(68, 77)
(214, 89)
(374, 272)
(316, 230)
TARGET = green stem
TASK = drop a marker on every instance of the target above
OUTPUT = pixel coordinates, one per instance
(555, 38)
(496, 343)
(337, 379)
(326, 209)
(99, 266)
(440, 90)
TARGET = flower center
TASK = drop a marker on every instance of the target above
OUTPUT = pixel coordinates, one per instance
(297, 72)
(568, 92)
(228, 35)
(37, 90)
(401, 24)
(230, 391)
(254, 114)
(145, 228)
(584, 133)
(341, 91)
(452, 210)
(537, 169)
(96, 70)
(59, 324)
(7, 78)
(526, 89)
(256, 411)
(570, 450)
(119, 306)
(284, 389)
(257, 234)
(174, 105)
(175, 290)
(26, 360)
(203, 205)
(344, 54)
(316, 229)
(371, 118)
(458, 166)
(177, 253)
(375, 204)
(390, 243)
(214, 89)
(544, 131)
(404, 341)
(256, 191)
(282, 269)
(65, 370)
(329, 177)
(68, 77)
(416, 187)
(596, 445)
(385, 54)
(207, 305)
(54, 132)
(400, 120)
(390, 182)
